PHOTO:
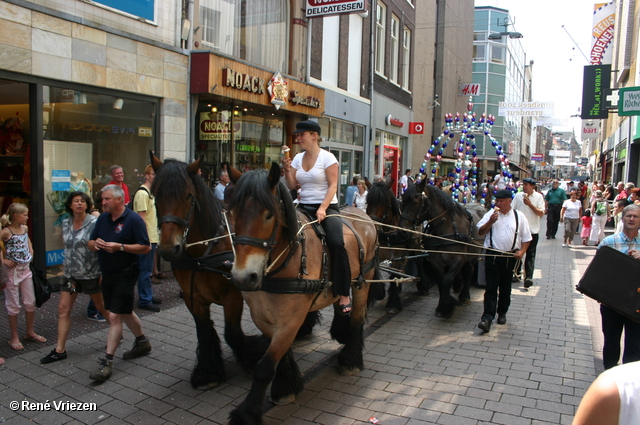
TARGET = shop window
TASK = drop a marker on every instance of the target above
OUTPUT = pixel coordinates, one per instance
(253, 30)
(15, 146)
(84, 135)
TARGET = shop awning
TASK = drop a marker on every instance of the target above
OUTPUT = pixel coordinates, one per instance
(516, 167)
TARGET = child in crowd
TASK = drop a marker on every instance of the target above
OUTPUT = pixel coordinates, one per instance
(19, 254)
(586, 226)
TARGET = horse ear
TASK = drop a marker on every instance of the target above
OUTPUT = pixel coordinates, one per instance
(274, 174)
(155, 162)
(420, 186)
(234, 174)
(192, 169)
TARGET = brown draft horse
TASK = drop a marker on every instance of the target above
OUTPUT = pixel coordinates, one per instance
(384, 208)
(452, 224)
(266, 226)
(187, 213)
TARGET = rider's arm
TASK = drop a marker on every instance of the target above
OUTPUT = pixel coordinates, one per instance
(332, 182)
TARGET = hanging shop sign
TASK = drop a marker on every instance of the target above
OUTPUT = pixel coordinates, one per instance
(629, 102)
(469, 90)
(604, 17)
(596, 79)
(416, 128)
(220, 76)
(317, 8)
(590, 129)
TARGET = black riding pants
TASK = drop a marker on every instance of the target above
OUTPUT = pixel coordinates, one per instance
(340, 267)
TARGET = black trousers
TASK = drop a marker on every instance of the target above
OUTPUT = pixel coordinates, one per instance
(530, 259)
(553, 218)
(497, 295)
(340, 267)
(612, 325)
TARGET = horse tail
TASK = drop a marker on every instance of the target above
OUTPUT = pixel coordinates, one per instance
(313, 318)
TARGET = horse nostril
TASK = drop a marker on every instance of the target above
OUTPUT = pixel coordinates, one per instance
(254, 279)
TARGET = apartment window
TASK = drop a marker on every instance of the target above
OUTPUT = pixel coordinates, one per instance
(406, 57)
(479, 36)
(381, 18)
(394, 49)
(253, 30)
(497, 54)
(479, 52)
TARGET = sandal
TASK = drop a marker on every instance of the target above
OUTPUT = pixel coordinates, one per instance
(16, 346)
(345, 309)
(37, 338)
(1, 361)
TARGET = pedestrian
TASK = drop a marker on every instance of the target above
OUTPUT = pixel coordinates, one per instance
(600, 211)
(612, 399)
(570, 215)
(19, 280)
(145, 205)
(92, 312)
(222, 185)
(613, 323)
(117, 178)
(406, 180)
(506, 230)
(553, 204)
(531, 204)
(350, 192)
(316, 170)
(360, 197)
(586, 226)
(119, 236)
(81, 269)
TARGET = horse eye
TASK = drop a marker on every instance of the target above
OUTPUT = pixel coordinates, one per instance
(268, 216)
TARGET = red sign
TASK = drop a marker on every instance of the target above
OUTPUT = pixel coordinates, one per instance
(416, 128)
(537, 156)
(469, 89)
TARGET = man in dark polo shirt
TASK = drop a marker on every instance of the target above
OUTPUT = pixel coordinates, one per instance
(120, 235)
(553, 204)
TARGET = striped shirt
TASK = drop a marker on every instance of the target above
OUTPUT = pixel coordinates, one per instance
(620, 242)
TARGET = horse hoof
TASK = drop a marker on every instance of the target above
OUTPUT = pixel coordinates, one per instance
(444, 316)
(283, 401)
(349, 371)
(422, 293)
(464, 302)
(208, 386)
(393, 310)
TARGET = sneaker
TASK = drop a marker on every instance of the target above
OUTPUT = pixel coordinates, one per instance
(97, 318)
(53, 356)
(156, 301)
(104, 371)
(140, 348)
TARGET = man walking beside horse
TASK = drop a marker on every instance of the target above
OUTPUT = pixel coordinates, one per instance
(506, 230)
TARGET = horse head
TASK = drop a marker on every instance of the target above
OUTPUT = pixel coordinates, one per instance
(412, 205)
(264, 220)
(382, 205)
(180, 194)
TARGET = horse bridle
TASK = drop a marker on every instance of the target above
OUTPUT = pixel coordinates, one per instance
(267, 244)
(184, 222)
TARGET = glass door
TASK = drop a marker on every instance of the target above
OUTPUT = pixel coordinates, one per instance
(345, 172)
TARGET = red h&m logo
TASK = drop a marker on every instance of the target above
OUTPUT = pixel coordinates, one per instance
(416, 128)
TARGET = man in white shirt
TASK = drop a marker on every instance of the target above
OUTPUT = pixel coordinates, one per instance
(506, 230)
(531, 204)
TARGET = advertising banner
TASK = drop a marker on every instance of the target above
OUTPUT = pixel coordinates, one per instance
(317, 8)
(596, 79)
(525, 109)
(604, 16)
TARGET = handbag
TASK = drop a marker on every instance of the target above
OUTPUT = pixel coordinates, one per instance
(41, 286)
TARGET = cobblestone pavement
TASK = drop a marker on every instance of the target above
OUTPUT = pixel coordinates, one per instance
(419, 369)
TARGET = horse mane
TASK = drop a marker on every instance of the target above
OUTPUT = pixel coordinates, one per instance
(254, 185)
(444, 199)
(171, 183)
(379, 193)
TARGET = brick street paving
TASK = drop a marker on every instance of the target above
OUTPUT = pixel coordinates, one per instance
(419, 369)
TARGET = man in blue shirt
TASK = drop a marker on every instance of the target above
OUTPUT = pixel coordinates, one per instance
(627, 242)
(120, 236)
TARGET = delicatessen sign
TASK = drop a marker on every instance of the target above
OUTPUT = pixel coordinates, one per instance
(317, 8)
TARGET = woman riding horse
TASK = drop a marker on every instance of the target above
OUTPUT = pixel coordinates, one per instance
(280, 285)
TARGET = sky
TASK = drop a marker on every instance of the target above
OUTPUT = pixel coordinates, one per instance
(558, 63)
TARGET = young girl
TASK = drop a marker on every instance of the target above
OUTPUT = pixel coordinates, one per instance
(586, 226)
(16, 268)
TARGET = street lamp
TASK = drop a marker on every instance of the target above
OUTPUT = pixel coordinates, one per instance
(510, 34)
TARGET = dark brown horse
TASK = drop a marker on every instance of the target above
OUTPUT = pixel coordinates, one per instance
(280, 270)
(188, 213)
(384, 208)
(450, 231)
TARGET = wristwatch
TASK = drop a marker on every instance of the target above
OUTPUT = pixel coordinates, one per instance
(121, 247)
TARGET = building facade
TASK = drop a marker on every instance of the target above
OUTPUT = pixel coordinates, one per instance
(82, 87)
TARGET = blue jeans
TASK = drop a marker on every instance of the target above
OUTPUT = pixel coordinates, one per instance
(145, 264)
